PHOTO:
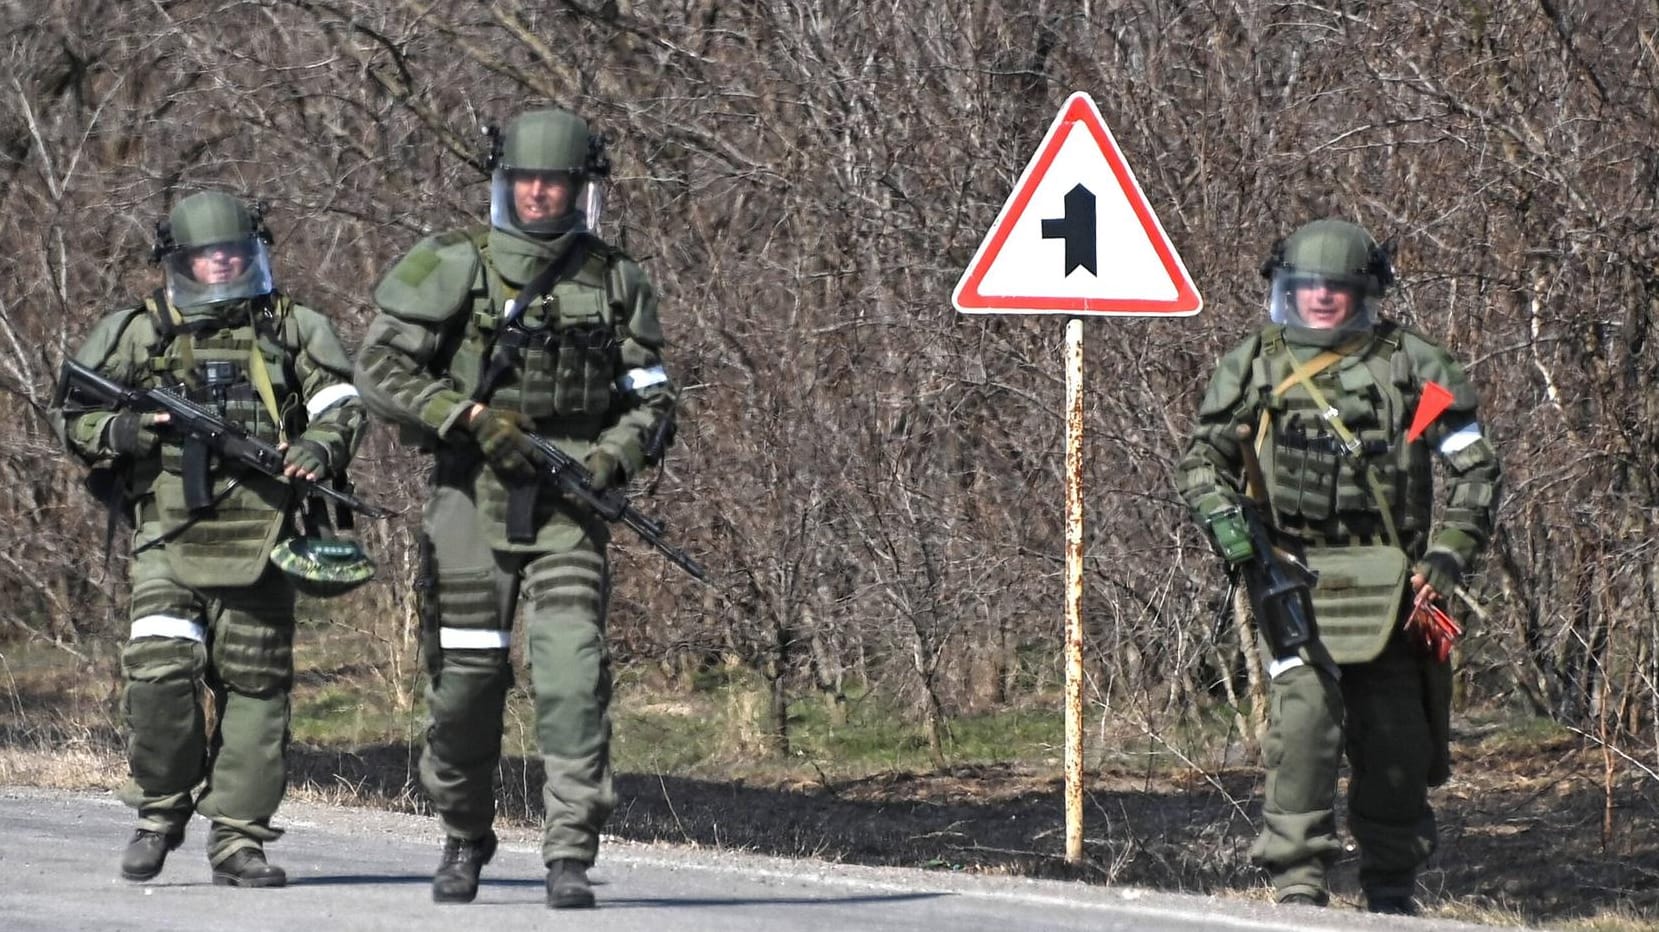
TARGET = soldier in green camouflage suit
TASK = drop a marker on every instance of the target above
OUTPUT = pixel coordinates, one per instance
(209, 610)
(1329, 391)
(466, 364)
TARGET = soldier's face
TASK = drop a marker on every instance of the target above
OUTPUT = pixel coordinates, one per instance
(1323, 305)
(541, 196)
(219, 263)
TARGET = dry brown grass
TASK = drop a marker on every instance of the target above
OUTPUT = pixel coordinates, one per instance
(62, 768)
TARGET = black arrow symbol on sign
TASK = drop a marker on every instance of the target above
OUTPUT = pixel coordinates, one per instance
(1077, 229)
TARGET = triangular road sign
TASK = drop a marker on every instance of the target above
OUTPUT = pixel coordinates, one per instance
(1077, 235)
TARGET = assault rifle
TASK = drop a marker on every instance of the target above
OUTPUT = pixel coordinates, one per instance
(1276, 579)
(229, 441)
(572, 478)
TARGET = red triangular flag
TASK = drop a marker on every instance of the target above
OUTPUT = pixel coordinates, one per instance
(1434, 402)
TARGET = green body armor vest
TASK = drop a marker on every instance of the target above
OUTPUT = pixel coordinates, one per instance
(556, 361)
(1321, 491)
(240, 371)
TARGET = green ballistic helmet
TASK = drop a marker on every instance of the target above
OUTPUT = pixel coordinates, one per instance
(1340, 252)
(208, 217)
(1327, 256)
(323, 566)
(212, 248)
(545, 141)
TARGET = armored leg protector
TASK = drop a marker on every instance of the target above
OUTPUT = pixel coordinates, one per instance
(463, 739)
(252, 653)
(1303, 749)
(1391, 749)
(570, 670)
(166, 727)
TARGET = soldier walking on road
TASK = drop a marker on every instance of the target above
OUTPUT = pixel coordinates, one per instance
(1328, 394)
(532, 324)
(210, 609)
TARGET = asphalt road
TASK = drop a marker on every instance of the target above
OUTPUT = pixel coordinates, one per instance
(367, 869)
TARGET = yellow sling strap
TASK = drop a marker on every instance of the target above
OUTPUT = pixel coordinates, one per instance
(1302, 374)
(261, 377)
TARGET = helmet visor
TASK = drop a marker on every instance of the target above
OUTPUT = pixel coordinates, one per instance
(1320, 302)
(224, 271)
(536, 203)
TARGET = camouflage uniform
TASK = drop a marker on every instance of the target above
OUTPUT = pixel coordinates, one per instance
(209, 611)
(1361, 687)
(581, 367)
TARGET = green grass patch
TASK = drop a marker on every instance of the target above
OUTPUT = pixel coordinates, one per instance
(343, 714)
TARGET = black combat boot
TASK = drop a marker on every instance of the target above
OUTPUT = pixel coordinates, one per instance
(456, 880)
(247, 868)
(568, 886)
(147, 852)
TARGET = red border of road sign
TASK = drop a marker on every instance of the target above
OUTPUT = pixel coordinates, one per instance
(1079, 108)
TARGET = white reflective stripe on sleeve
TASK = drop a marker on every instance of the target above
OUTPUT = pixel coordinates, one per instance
(1460, 438)
(329, 397)
(637, 379)
(1280, 666)
(166, 626)
(472, 639)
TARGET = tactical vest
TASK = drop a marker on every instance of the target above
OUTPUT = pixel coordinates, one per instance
(242, 371)
(557, 359)
(1319, 490)
(1330, 491)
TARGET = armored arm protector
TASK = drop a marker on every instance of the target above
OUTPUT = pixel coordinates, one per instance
(1208, 476)
(335, 416)
(644, 392)
(1474, 476)
(85, 432)
(421, 299)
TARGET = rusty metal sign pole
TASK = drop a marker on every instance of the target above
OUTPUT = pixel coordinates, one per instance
(1074, 591)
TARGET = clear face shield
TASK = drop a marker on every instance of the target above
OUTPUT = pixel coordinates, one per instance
(538, 204)
(1322, 303)
(228, 271)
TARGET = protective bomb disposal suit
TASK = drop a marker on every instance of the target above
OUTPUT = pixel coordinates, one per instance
(1329, 391)
(209, 610)
(465, 362)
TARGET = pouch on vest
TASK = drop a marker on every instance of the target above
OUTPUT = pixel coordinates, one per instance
(1358, 598)
(586, 363)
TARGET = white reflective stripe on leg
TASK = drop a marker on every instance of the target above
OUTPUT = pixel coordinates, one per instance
(472, 639)
(167, 626)
(328, 398)
(1279, 666)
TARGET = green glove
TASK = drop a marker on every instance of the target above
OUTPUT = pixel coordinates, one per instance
(1230, 530)
(500, 434)
(132, 433)
(310, 456)
(1441, 570)
(606, 469)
